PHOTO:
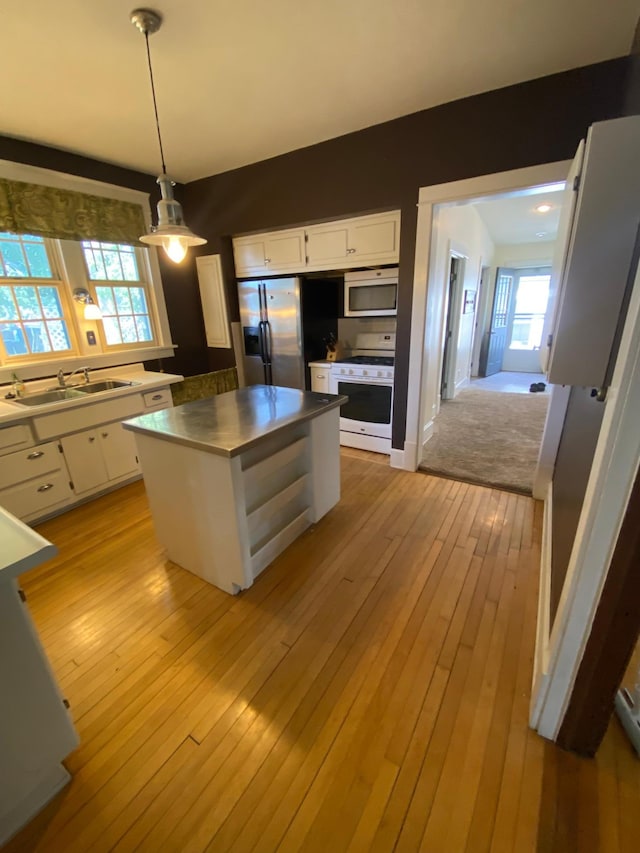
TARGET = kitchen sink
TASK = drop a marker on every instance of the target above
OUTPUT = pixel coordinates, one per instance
(104, 385)
(49, 397)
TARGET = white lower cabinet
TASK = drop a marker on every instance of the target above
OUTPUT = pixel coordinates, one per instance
(34, 480)
(98, 456)
(320, 376)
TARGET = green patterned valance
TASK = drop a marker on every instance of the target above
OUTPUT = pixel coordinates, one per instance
(68, 215)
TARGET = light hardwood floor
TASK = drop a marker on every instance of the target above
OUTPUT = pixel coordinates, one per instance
(369, 693)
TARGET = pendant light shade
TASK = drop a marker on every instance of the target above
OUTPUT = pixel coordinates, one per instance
(171, 232)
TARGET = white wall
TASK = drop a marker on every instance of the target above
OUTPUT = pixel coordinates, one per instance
(459, 229)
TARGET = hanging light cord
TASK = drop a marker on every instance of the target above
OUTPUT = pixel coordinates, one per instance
(155, 105)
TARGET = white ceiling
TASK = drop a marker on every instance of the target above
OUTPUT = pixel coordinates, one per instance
(242, 80)
(512, 221)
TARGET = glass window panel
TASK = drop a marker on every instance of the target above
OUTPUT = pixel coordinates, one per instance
(111, 330)
(94, 263)
(15, 265)
(112, 265)
(129, 267)
(13, 339)
(37, 337)
(28, 303)
(123, 300)
(50, 302)
(128, 327)
(38, 261)
(8, 309)
(144, 328)
(105, 299)
(59, 335)
(138, 301)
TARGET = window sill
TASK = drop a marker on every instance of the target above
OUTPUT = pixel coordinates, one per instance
(37, 369)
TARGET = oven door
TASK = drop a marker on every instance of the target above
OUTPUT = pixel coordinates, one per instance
(370, 405)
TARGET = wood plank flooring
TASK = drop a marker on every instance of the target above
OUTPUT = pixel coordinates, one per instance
(369, 693)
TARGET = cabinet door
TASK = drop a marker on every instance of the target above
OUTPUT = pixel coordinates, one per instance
(327, 245)
(118, 451)
(214, 303)
(273, 252)
(320, 379)
(84, 460)
(375, 238)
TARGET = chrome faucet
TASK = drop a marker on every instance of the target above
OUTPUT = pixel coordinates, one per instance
(62, 380)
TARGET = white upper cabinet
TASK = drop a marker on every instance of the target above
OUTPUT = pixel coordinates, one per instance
(344, 244)
(272, 253)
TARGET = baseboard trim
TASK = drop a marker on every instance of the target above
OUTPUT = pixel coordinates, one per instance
(427, 432)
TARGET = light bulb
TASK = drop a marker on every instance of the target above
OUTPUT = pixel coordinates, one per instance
(175, 247)
(92, 311)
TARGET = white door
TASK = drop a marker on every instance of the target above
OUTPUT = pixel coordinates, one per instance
(118, 450)
(84, 460)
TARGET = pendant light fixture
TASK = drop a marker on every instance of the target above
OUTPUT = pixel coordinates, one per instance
(171, 232)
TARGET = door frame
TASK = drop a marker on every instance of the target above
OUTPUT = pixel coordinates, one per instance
(452, 308)
(425, 346)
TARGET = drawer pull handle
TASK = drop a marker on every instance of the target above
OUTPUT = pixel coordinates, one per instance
(92, 438)
(350, 251)
(105, 435)
(36, 454)
(45, 487)
(157, 397)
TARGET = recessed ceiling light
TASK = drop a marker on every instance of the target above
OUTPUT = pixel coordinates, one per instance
(541, 233)
(543, 208)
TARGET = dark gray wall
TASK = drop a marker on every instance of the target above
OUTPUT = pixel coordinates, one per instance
(384, 166)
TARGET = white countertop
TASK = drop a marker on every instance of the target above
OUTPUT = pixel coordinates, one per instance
(22, 548)
(146, 380)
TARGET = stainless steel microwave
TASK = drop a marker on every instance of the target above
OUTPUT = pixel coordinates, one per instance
(371, 293)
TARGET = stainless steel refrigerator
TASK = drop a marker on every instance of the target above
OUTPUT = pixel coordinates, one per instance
(271, 318)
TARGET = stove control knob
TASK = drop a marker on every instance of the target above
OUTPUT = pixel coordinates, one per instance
(365, 372)
(380, 373)
(351, 373)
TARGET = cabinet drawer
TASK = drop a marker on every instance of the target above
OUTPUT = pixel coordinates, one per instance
(26, 464)
(13, 437)
(320, 379)
(36, 495)
(160, 398)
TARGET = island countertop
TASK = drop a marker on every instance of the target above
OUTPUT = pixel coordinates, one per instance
(232, 423)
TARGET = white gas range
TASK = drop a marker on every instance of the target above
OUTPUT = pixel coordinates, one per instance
(366, 377)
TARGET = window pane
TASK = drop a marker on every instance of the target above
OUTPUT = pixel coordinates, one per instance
(128, 327)
(8, 309)
(14, 262)
(111, 330)
(138, 301)
(37, 337)
(144, 328)
(123, 300)
(50, 302)
(94, 263)
(28, 303)
(58, 334)
(38, 261)
(13, 339)
(112, 265)
(129, 266)
(105, 300)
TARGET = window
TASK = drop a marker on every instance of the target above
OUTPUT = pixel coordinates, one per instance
(119, 292)
(532, 296)
(32, 318)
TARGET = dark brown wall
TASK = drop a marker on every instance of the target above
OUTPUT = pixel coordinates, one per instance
(383, 167)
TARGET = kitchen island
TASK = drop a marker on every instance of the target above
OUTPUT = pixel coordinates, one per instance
(232, 480)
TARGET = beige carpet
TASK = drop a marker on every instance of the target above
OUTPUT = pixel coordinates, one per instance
(488, 437)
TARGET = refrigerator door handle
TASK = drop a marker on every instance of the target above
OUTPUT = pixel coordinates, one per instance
(268, 342)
